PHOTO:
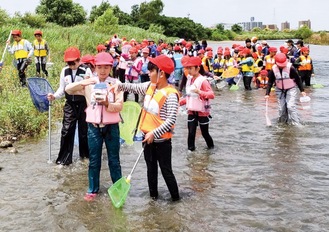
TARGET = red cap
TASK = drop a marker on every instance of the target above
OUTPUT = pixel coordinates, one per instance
(88, 59)
(188, 45)
(227, 53)
(133, 50)
(254, 55)
(177, 48)
(37, 32)
(281, 59)
(184, 60)
(304, 49)
(146, 50)
(201, 51)
(192, 61)
(264, 72)
(208, 48)
(16, 32)
(164, 63)
(285, 50)
(245, 51)
(103, 58)
(71, 54)
(272, 49)
(100, 47)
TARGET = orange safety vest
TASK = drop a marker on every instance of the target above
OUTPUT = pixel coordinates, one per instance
(262, 81)
(307, 63)
(270, 61)
(151, 109)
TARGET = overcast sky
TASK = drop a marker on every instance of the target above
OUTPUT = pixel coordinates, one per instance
(212, 12)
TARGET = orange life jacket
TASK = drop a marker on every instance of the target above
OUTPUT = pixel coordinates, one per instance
(150, 118)
(269, 62)
(306, 61)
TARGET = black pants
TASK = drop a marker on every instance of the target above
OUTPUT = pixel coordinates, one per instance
(73, 112)
(121, 74)
(160, 152)
(247, 82)
(192, 123)
(41, 65)
(125, 96)
(305, 76)
(21, 67)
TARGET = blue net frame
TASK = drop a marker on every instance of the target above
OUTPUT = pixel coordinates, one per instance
(39, 89)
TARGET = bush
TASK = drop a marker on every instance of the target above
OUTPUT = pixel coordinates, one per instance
(107, 23)
(34, 20)
(155, 29)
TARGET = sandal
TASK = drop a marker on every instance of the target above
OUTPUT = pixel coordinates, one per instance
(90, 196)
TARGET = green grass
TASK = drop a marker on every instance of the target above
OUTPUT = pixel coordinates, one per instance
(18, 116)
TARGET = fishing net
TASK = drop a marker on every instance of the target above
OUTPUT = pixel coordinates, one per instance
(39, 89)
(129, 114)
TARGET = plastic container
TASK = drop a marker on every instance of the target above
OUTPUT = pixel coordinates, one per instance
(100, 92)
(305, 99)
(138, 138)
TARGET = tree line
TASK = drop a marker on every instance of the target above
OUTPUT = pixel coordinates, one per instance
(147, 15)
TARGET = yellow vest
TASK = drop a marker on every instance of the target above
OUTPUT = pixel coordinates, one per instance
(20, 53)
(39, 48)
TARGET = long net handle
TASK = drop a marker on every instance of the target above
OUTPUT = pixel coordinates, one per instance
(49, 132)
(134, 167)
(4, 51)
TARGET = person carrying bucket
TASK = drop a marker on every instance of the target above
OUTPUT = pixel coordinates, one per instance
(41, 50)
(74, 108)
(286, 78)
(157, 122)
(103, 108)
(198, 94)
(23, 51)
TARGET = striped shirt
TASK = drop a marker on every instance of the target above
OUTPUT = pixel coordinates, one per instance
(168, 112)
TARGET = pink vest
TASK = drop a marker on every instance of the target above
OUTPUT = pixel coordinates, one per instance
(283, 81)
(97, 114)
(193, 100)
(131, 73)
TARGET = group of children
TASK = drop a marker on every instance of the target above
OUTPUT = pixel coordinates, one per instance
(95, 87)
(23, 51)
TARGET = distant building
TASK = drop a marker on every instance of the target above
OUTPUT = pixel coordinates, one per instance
(248, 26)
(285, 26)
(304, 23)
(270, 27)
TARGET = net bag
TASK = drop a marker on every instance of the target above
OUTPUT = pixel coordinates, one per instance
(39, 89)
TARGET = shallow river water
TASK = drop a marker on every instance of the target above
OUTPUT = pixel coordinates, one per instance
(258, 178)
